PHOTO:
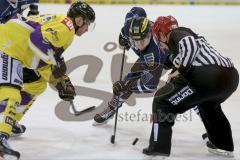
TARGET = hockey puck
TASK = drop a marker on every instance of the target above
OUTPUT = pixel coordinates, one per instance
(135, 141)
(204, 136)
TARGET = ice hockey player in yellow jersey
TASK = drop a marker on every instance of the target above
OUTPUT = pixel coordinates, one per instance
(34, 43)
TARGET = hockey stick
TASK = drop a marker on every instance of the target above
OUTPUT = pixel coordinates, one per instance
(76, 113)
(116, 116)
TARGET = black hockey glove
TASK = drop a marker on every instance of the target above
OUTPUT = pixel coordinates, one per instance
(66, 90)
(123, 40)
(168, 63)
(33, 10)
(60, 69)
(120, 87)
(33, 13)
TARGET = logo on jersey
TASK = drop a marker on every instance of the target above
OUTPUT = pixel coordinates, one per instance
(53, 33)
(19, 73)
(5, 67)
(68, 23)
(48, 18)
(149, 59)
(10, 120)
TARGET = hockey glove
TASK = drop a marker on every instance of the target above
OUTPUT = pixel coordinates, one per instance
(168, 63)
(33, 13)
(123, 40)
(59, 70)
(33, 10)
(66, 90)
(120, 87)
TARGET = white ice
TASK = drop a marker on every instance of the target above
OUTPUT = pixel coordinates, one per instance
(49, 138)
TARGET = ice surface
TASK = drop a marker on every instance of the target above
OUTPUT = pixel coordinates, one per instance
(49, 138)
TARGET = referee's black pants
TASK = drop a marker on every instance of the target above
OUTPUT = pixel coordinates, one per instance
(207, 87)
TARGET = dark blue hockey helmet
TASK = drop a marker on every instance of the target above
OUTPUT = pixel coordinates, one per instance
(136, 11)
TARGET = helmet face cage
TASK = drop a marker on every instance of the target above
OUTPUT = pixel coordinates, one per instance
(143, 43)
(140, 33)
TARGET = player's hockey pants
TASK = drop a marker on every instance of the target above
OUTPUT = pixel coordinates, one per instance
(11, 79)
(13, 100)
(29, 94)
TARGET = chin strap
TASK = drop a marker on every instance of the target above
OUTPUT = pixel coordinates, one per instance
(78, 27)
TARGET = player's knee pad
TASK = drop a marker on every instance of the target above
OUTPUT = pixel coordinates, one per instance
(9, 100)
(29, 95)
(25, 104)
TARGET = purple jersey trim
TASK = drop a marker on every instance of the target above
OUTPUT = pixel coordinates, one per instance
(3, 105)
(37, 39)
(26, 98)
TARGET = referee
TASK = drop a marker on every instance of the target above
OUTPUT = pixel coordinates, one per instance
(204, 78)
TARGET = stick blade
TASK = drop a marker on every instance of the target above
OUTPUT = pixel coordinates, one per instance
(84, 111)
(113, 139)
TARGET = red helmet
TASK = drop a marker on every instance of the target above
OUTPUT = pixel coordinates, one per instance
(164, 24)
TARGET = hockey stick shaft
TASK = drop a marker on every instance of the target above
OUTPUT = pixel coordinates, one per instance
(116, 116)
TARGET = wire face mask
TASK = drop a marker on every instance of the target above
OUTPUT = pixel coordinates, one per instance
(91, 25)
(143, 43)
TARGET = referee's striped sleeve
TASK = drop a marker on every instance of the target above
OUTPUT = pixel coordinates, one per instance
(188, 49)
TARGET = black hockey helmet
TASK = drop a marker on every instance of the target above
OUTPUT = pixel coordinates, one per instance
(139, 28)
(82, 9)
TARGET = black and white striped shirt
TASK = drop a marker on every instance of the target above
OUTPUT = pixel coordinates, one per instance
(189, 49)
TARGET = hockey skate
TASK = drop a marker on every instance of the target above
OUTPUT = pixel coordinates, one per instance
(214, 150)
(18, 130)
(108, 113)
(104, 116)
(6, 152)
(151, 154)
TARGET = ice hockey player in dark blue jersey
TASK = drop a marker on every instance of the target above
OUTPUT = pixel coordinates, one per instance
(146, 71)
(9, 8)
